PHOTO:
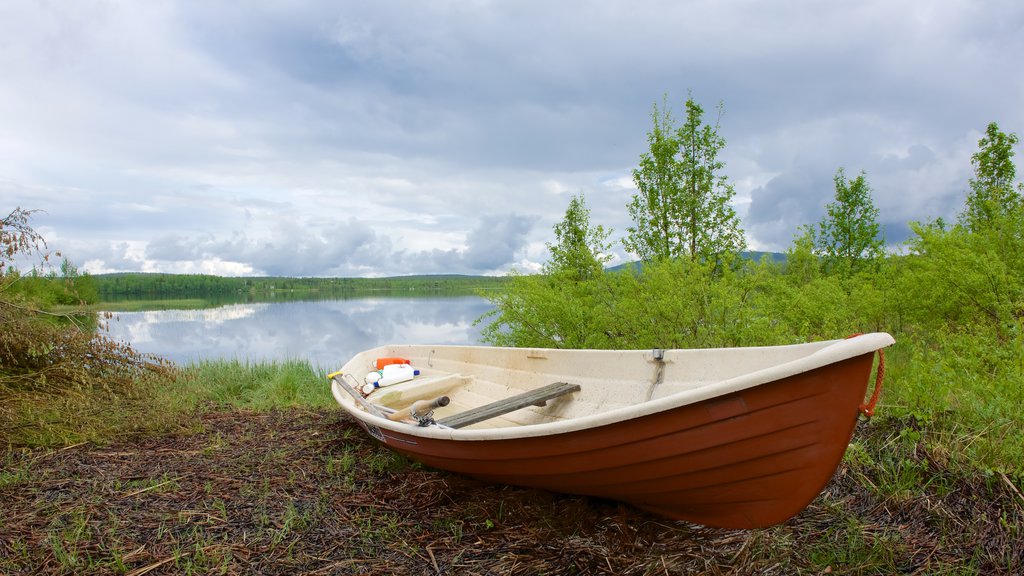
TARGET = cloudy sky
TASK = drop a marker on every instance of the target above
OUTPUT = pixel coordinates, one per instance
(350, 138)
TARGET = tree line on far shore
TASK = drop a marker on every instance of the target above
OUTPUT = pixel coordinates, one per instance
(69, 287)
(138, 285)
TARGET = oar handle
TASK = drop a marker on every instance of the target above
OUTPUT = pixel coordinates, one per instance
(418, 408)
(339, 379)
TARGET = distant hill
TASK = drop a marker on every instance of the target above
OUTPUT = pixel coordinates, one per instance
(777, 257)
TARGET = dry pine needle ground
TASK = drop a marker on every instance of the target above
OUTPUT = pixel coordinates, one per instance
(306, 492)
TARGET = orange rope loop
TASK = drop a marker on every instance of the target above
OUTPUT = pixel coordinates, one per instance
(868, 409)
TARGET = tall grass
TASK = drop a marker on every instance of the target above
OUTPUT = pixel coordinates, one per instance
(63, 382)
(261, 385)
(967, 393)
(160, 404)
(151, 406)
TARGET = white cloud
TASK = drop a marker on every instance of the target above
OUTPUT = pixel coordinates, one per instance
(374, 138)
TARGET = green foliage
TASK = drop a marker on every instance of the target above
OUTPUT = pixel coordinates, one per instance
(69, 289)
(992, 197)
(141, 285)
(580, 250)
(19, 239)
(686, 304)
(802, 264)
(849, 239)
(48, 360)
(965, 280)
(544, 311)
(258, 386)
(79, 288)
(682, 206)
(667, 304)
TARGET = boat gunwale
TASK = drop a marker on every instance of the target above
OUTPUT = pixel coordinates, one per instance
(830, 352)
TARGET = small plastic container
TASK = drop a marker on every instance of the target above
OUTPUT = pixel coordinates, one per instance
(382, 362)
(388, 375)
(395, 373)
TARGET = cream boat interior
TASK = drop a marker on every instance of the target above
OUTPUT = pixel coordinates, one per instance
(614, 384)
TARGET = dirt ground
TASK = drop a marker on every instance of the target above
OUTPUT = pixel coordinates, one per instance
(307, 492)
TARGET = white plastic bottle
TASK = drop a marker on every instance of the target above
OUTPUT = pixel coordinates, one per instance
(395, 373)
(372, 381)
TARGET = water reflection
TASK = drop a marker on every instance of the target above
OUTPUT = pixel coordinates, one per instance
(326, 333)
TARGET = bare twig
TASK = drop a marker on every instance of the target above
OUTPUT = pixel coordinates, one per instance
(1012, 486)
(153, 487)
(153, 566)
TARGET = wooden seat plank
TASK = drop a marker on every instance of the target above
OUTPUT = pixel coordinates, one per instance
(510, 404)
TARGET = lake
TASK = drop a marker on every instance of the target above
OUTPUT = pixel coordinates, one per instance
(326, 332)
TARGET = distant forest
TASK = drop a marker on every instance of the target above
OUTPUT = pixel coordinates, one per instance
(143, 285)
(133, 285)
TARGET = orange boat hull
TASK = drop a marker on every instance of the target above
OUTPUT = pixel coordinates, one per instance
(748, 459)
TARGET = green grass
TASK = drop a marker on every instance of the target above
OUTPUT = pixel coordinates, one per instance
(256, 386)
(965, 391)
(160, 405)
(133, 306)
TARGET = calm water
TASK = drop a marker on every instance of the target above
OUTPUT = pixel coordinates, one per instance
(326, 333)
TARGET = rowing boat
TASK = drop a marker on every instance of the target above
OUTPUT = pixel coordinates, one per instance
(729, 437)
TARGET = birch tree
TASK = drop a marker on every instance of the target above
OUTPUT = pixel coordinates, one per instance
(849, 238)
(682, 206)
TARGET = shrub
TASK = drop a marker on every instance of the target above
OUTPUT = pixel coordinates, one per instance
(47, 360)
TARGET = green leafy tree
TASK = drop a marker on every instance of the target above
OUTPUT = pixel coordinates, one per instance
(802, 264)
(580, 250)
(993, 196)
(965, 279)
(682, 207)
(969, 278)
(849, 238)
(74, 287)
(555, 309)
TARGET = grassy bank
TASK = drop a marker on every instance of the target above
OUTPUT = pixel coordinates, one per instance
(141, 305)
(163, 404)
(234, 468)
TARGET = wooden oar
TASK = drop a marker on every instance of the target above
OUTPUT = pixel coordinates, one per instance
(418, 408)
(535, 397)
(355, 395)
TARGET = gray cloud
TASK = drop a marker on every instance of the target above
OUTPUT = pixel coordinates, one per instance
(495, 241)
(786, 202)
(348, 248)
(494, 244)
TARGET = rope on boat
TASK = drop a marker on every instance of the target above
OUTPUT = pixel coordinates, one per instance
(868, 408)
